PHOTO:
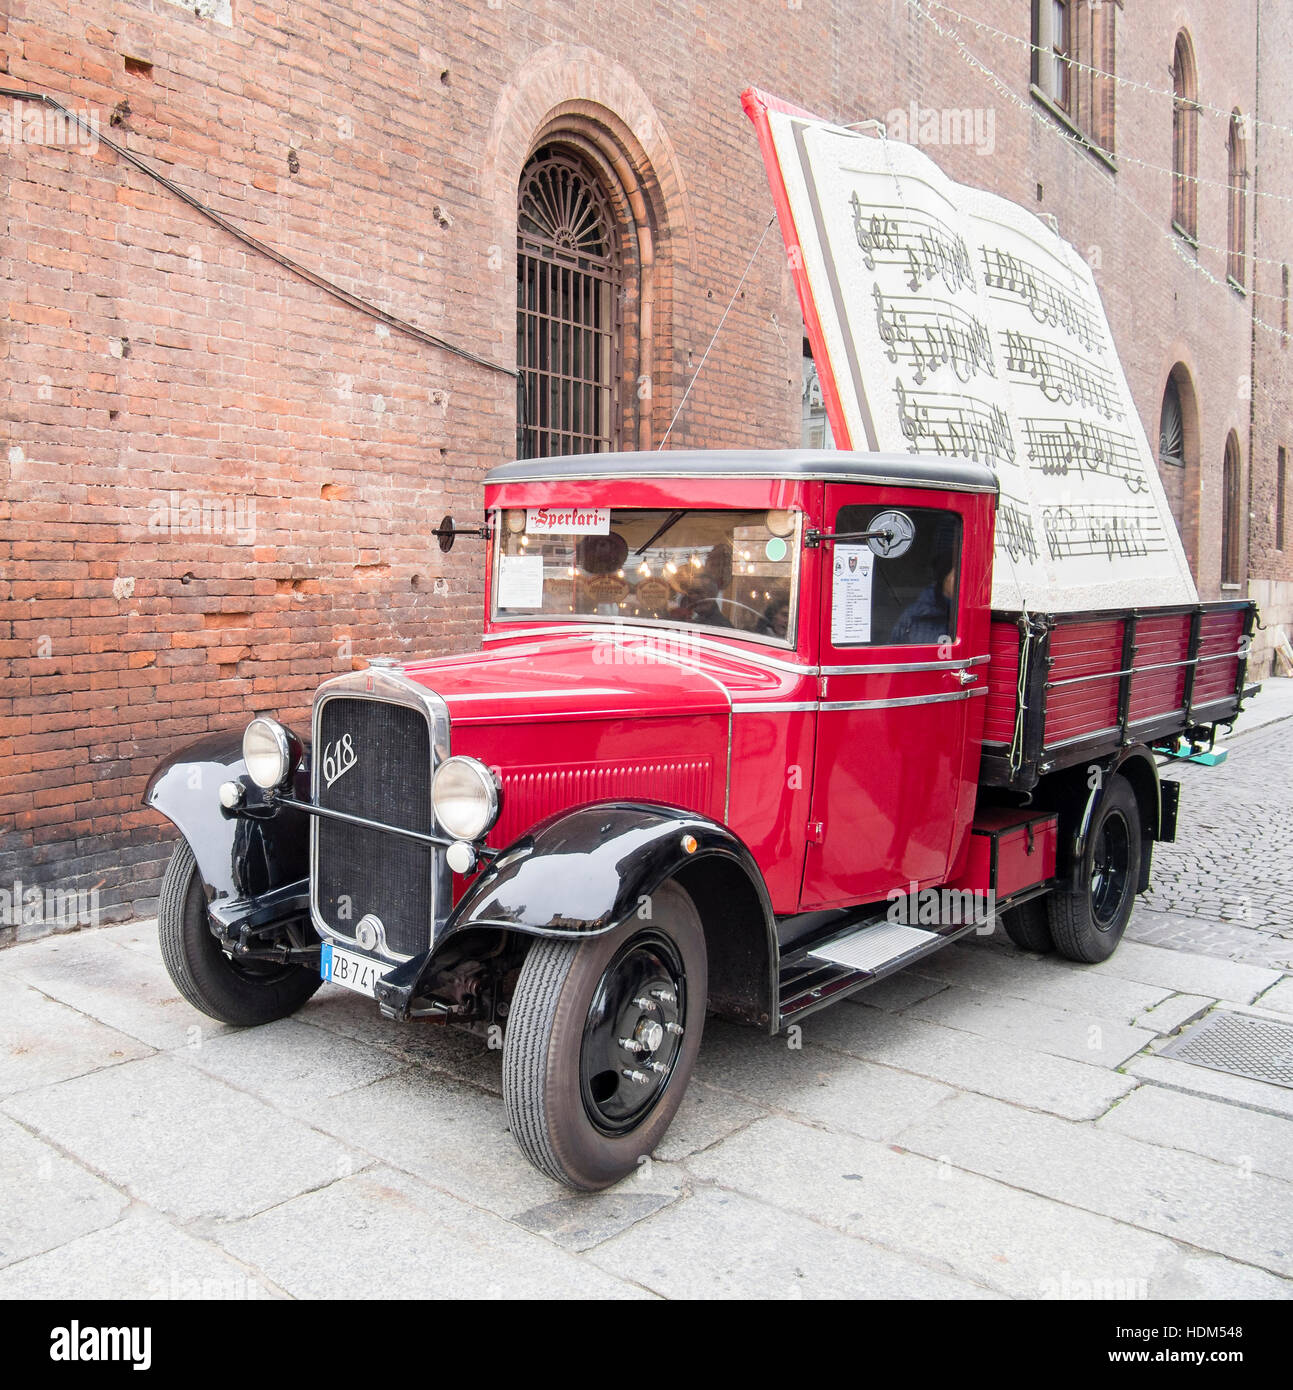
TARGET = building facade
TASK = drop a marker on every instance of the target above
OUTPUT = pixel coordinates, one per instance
(244, 382)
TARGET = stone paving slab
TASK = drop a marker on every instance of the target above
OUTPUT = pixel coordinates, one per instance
(1007, 1071)
(383, 1234)
(707, 1115)
(142, 1256)
(181, 1141)
(1051, 980)
(1187, 973)
(46, 1199)
(44, 1041)
(1175, 1012)
(720, 1244)
(290, 1063)
(973, 1228)
(450, 1051)
(836, 1091)
(139, 935)
(119, 987)
(1279, 998)
(448, 1134)
(1218, 1207)
(1243, 1139)
(1081, 1037)
(1204, 1081)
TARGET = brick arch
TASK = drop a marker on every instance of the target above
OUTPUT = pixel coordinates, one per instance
(575, 97)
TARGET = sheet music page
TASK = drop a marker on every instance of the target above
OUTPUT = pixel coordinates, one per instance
(955, 322)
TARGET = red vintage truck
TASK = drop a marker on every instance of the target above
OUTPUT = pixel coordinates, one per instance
(744, 736)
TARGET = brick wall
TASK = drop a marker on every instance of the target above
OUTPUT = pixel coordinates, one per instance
(1271, 568)
(218, 479)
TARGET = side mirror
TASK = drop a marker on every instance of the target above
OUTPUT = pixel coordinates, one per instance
(446, 533)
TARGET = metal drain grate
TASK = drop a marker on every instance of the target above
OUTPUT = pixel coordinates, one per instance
(1240, 1044)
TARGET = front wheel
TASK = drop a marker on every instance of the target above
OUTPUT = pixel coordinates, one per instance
(602, 1035)
(245, 993)
(1087, 921)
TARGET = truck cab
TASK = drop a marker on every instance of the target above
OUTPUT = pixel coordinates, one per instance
(724, 736)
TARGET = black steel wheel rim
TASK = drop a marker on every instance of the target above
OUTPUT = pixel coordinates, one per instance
(633, 1033)
(1110, 870)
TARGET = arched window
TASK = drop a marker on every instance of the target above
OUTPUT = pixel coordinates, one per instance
(568, 308)
(1185, 139)
(1230, 515)
(1237, 185)
(1178, 456)
(1171, 427)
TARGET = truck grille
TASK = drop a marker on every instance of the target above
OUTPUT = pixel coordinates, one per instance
(359, 871)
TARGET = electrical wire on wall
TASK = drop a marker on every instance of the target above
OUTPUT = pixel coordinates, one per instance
(261, 247)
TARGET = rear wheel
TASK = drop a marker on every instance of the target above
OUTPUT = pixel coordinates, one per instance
(1027, 927)
(245, 993)
(1088, 921)
(602, 1035)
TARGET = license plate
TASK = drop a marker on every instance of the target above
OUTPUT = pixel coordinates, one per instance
(355, 972)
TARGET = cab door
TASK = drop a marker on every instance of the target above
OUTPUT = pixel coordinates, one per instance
(903, 650)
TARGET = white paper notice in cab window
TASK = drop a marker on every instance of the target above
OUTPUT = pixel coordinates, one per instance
(520, 581)
(851, 595)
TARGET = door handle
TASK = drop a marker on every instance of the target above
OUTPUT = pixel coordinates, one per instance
(966, 677)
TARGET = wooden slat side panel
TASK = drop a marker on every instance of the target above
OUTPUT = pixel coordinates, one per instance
(1083, 649)
(1160, 642)
(1218, 633)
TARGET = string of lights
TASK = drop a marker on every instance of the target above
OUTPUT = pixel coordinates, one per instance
(1116, 156)
(1117, 78)
(1010, 95)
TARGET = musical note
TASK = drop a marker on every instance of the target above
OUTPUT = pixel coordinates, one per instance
(1061, 446)
(1061, 376)
(932, 333)
(1047, 300)
(951, 423)
(1015, 534)
(1093, 528)
(924, 246)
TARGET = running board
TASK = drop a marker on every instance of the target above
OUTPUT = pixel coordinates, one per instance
(815, 976)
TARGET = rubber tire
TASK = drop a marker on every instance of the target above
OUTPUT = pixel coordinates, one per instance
(1069, 912)
(202, 972)
(541, 1049)
(1027, 926)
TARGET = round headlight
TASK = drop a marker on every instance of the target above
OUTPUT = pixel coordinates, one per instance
(267, 751)
(464, 798)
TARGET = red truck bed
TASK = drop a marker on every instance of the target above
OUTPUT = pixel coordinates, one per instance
(1064, 687)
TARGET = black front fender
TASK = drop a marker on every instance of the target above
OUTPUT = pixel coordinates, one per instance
(584, 872)
(242, 855)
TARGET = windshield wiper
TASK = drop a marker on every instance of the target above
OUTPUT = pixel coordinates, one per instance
(667, 524)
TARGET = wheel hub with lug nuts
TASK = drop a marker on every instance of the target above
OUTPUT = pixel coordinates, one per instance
(633, 1033)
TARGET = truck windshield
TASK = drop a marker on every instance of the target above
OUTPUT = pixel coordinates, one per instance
(733, 571)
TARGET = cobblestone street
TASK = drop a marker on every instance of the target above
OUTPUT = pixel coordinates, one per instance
(1225, 886)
